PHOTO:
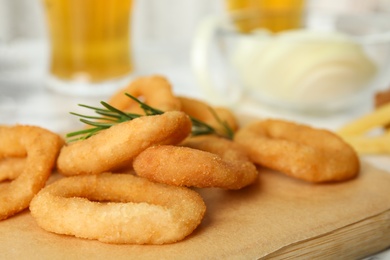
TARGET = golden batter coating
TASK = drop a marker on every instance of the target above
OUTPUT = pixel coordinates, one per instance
(204, 161)
(298, 150)
(11, 167)
(118, 208)
(41, 148)
(117, 146)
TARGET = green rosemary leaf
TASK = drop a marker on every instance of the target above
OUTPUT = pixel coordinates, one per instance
(147, 109)
(84, 134)
(98, 124)
(228, 131)
(92, 108)
(93, 117)
(110, 116)
(80, 132)
(198, 123)
(113, 109)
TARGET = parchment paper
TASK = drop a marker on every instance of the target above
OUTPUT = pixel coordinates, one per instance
(277, 216)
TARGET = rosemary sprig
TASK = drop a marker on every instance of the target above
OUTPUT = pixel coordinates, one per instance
(109, 116)
(146, 108)
(228, 130)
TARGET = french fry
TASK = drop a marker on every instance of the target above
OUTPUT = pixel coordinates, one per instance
(370, 145)
(378, 118)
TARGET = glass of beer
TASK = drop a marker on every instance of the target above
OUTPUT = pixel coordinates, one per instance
(90, 45)
(274, 15)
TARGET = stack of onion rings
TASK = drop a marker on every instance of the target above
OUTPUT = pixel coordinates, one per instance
(152, 208)
(117, 146)
(206, 161)
(118, 208)
(300, 151)
(41, 148)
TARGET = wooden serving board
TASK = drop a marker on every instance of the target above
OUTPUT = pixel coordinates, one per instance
(277, 217)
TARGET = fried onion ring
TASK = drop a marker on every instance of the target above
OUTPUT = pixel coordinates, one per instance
(207, 161)
(118, 208)
(303, 152)
(201, 111)
(156, 91)
(11, 145)
(41, 147)
(116, 147)
(11, 167)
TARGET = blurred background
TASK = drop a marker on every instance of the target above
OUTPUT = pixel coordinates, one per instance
(162, 35)
(162, 32)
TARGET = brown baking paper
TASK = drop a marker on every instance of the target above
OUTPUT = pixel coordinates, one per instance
(276, 217)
